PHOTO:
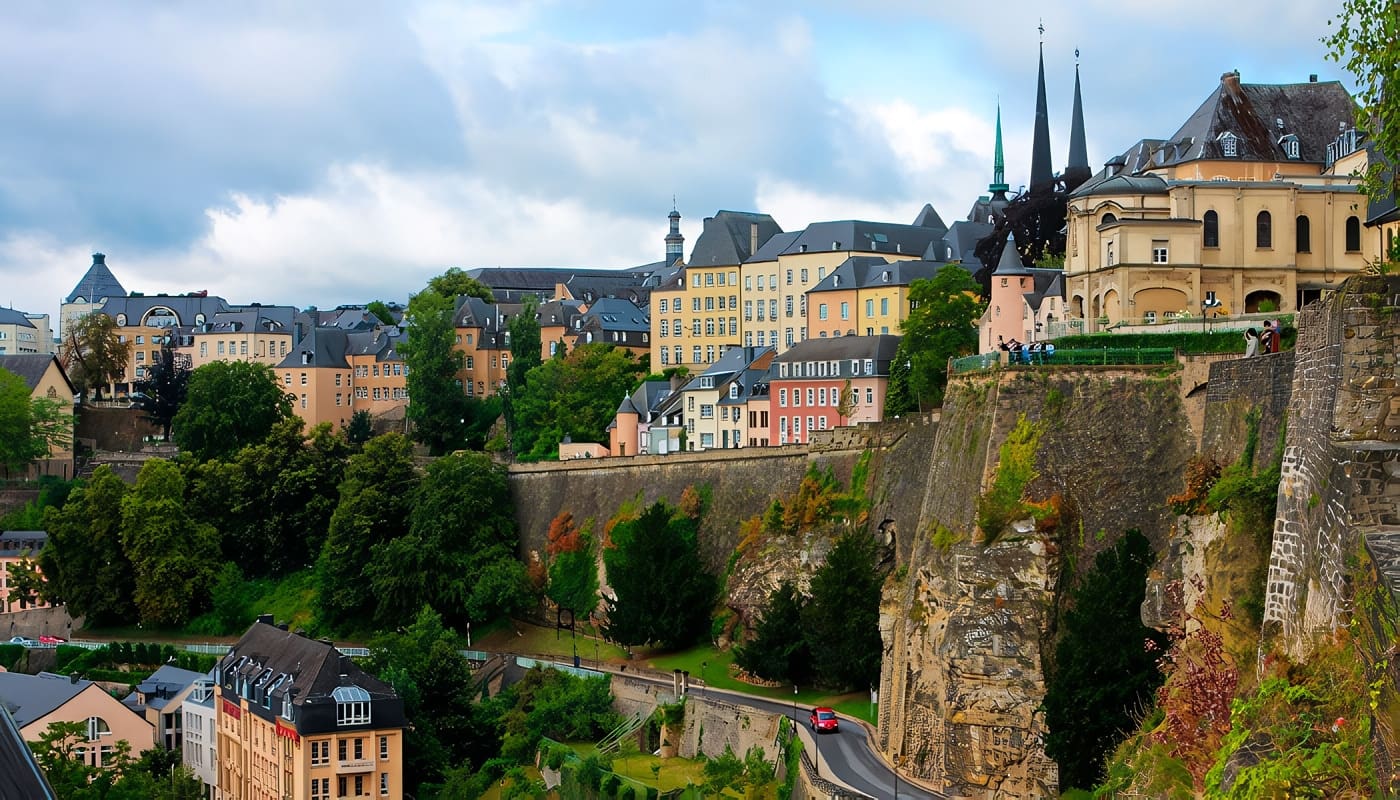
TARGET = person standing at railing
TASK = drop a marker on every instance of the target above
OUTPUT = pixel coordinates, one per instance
(1268, 340)
(1251, 343)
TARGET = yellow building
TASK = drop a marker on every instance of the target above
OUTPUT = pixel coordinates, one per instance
(483, 339)
(146, 322)
(297, 720)
(333, 373)
(865, 296)
(44, 376)
(1246, 209)
(262, 334)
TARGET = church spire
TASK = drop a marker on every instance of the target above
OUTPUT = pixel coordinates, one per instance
(998, 185)
(1077, 171)
(1041, 175)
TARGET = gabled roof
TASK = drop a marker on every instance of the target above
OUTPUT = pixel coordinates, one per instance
(32, 366)
(161, 687)
(185, 307)
(97, 283)
(775, 246)
(558, 312)
(859, 236)
(928, 218)
(860, 272)
(29, 697)
(880, 348)
(612, 314)
(1252, 113)
(1122, 183)
(1046, 283)
(19, 771)
(730, 238)
(9, 316)
(645, 398)
(265, 319)
(962, 241)
(319, 347)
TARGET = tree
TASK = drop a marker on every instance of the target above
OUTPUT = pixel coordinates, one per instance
(436, 403)
(460, 526)
(778, 651)
(375, 499)
(93, 354)
(28, 426)
(229, 405)
(1103, 673)
(574, 396)
(524, 353)
(662, 593)
(842, 618)
(165, 388)
(573, 571)
(847, 402)
(941, 325)
(360, 428)
(455, 283)
(174, 558)
(26, 581)
(1366, 41)
(154, 776)
(83, 560)
(381, 310)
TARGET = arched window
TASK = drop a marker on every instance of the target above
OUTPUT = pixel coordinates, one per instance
(1353, 234)
(1264, 230)
(1211, 230)
(1304, 235)
(1109, 218)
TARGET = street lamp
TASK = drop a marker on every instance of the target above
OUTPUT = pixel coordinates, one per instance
(794, 709)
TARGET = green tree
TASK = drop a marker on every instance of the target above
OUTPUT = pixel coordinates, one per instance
(1366, 42)
(93, 354)
(455, 283)
(942, 324)
(573, 396)
(662, 593)
(552, 703)
(460, 527)
(778, 650)
(374, 503)
(573, 570)
(524, 353)
(27, 426)
(229, 405)
(27, 583)
(360, 428)
(436, 404)
(845, 608)
(165, 388)
(174, 557)
(83, 560)
(381, 310)
(1103, 672)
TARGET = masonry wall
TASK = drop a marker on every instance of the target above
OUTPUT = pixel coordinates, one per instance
(1241, 386)
(1341, 465)
(116, 429)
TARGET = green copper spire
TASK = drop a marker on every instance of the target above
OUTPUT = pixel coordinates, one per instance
(998, 184)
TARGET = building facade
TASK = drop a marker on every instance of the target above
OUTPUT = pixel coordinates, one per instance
(821, 384)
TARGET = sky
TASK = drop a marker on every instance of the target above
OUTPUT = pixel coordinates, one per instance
(341, 151)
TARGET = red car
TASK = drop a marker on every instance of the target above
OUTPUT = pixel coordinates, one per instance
(46, 639)
(823, 720)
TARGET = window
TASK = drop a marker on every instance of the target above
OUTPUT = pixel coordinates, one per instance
(1159, 252)
(96, 728)
(788, 304)
(869, 366)
(221, 347)
(811, 397)
(1304, 234)
(384, 748)
(804, 277)
(789, 277)
(286, 379)
(1108, 260)
(203, 349)
(787, 336)
(303, 399)
(1353, 235)
(243, 348)
(351, 705)
(884, 306)
(383, 783)
(821, 396)
(821, 311)
(1229, 145)
(707, 411)
(471, 362)
(1210, 230)
(869, 395)
(303, 379)
(869, 308)
(709, 279)
(845, 311)
(1263, 230)
(359, 785)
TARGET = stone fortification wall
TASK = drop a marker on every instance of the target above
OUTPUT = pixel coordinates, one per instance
(1239, 387)
(1341, 464)
(110, 428)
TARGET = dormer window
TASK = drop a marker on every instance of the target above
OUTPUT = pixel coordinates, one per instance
(1229, 144)
(1290, 146)
(351, 705)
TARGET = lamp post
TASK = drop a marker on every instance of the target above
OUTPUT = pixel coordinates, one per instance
(794, 707)
(896, 760)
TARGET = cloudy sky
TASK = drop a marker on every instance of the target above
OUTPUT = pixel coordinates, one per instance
(317, 153)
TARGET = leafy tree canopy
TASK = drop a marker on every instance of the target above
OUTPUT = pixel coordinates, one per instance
(1365, 40)
(93, 354)
(84, 561)
(229, 405)
(454, 283)
(778, 650)
(174, 557)
(165, 388)
(524, 353)
(436, 405)
(841, 621)
(28, 426)
(662, 593)
(941, 325)
(382, 311)
(574, 396)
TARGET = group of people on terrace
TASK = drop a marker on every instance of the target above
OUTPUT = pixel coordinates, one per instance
(1256, 343)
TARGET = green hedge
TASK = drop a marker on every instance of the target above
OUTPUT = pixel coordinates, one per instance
(1187, 342)
(10, 655)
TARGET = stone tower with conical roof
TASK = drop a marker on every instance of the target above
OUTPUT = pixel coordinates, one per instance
(1077, 170)
(675, 242)
(1010, 282)
(1042, 174)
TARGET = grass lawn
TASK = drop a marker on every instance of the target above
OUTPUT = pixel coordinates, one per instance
(527, 639)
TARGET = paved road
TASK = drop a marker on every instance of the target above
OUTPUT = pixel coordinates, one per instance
(846, 757)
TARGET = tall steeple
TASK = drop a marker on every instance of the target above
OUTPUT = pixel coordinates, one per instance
(998, 186)
(1077, 171)
(1042, 176)
(675, 242)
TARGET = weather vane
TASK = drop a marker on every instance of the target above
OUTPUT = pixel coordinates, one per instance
(1042, 29)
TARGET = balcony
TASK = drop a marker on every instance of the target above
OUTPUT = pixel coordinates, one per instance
(355, 765)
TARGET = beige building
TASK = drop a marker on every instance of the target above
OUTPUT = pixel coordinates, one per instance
(1249, 208)
(19, 550)
(262, 334)
(24, 334)
(38, 700)
(46, 379)
(297, 720)
(333, 373)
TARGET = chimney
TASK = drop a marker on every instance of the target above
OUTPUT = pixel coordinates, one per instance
(753, 238)
(1231, 82)
(1312, 78)
(344, 666)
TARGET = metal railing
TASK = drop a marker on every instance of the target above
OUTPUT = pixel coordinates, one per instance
(976, 363)
(1101, 356)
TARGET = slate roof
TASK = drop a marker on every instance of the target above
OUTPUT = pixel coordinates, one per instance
(19, 772)
(161, 687)
(645, 398)
(1252, 112)
(612, 314)
(880, 347)
(23, 540)
(928, 218)
(271, 319)
(184, 306)
(98, 282)
(864, 271)
(29, 697)
(775, 246)
(1122, 183)
(9, 316)
(331, 347)
(625, 285)
(1010, 261)
(864, 237)
(31, 366)
(1046, 283)
(270, 662)
(962, 241)
(727, 238)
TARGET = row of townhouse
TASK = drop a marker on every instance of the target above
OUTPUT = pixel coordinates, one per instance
(757, 397)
